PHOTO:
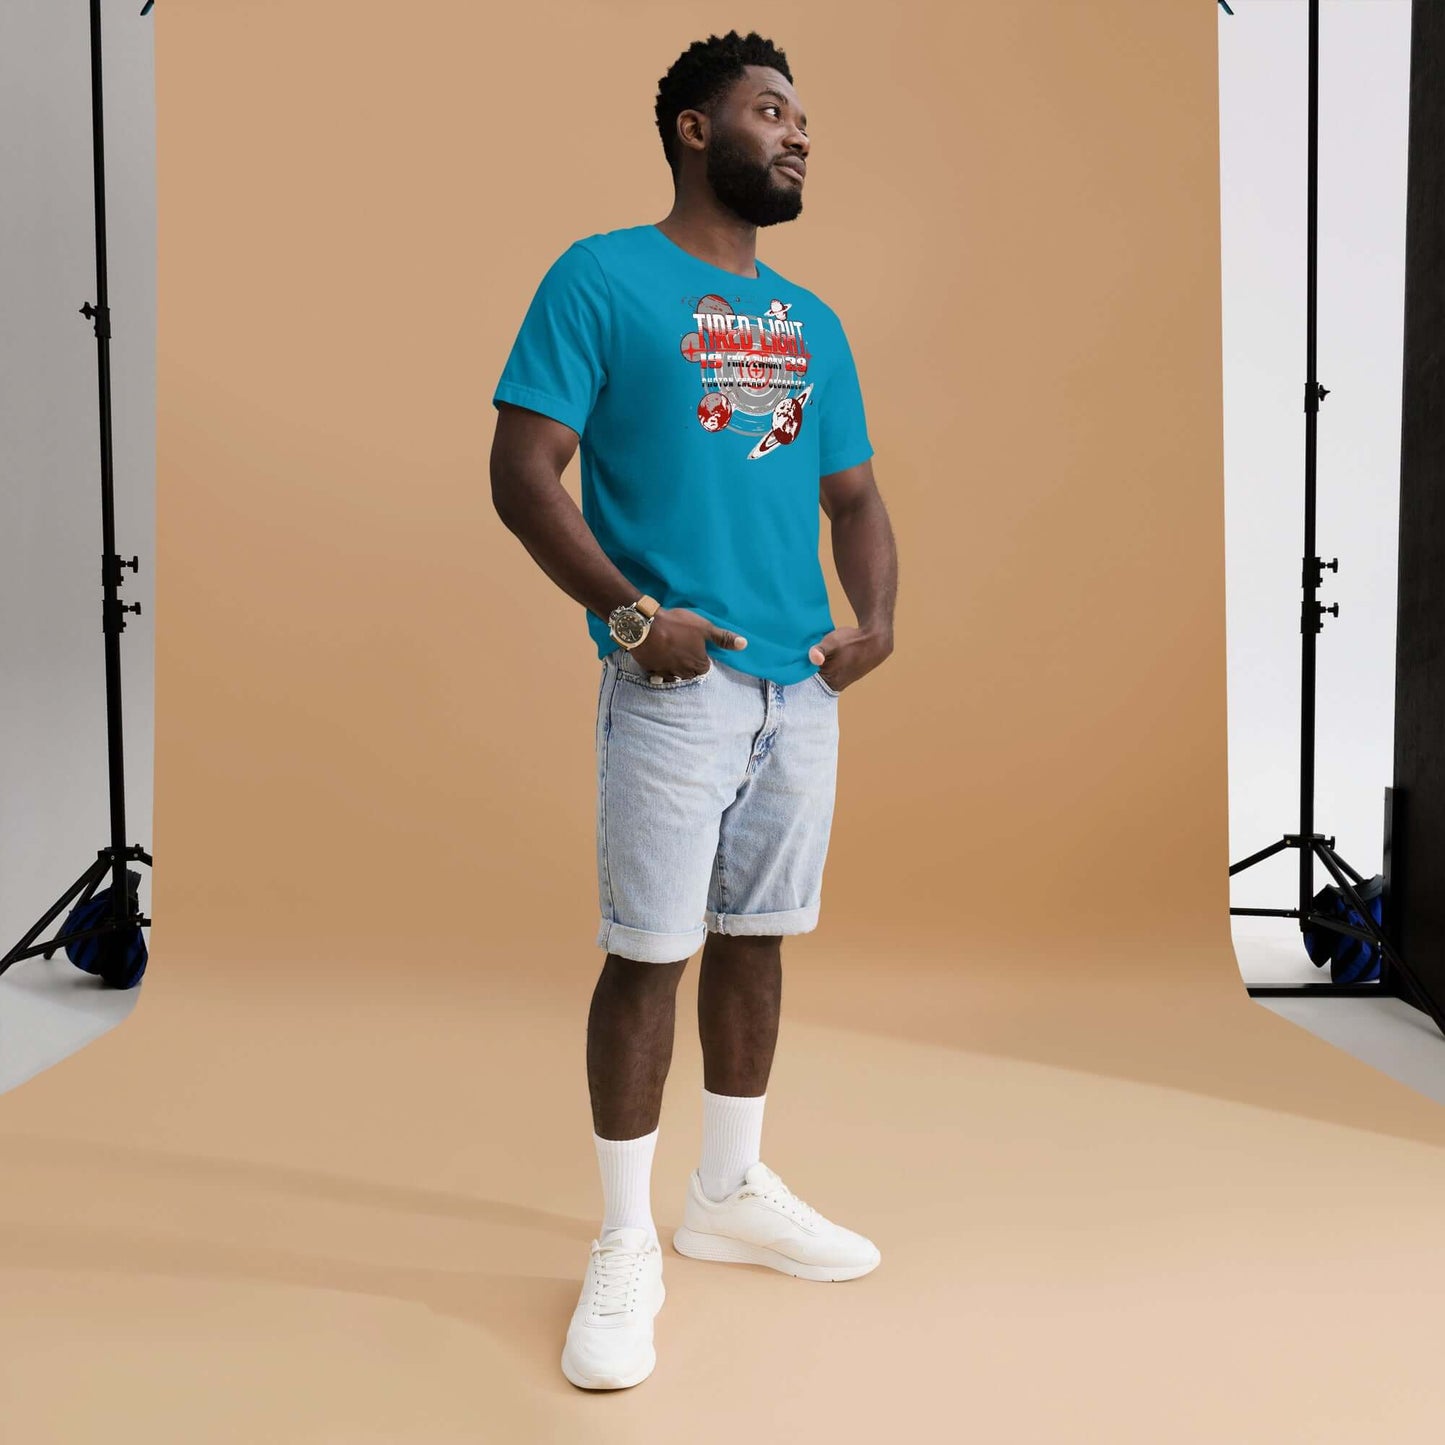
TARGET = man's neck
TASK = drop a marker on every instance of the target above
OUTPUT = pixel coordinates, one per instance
(713, 235)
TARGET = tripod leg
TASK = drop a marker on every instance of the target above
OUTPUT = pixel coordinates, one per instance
(1358, 877)
(89, 881)
(1335, 864)
(98, 877)
(1258, 857)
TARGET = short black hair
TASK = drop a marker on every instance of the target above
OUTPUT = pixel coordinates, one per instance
(703, 73)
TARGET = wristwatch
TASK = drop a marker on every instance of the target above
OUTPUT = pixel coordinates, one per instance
(631, 622)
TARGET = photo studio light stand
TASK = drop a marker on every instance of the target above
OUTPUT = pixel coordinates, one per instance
(113, 936)
(1311, 844)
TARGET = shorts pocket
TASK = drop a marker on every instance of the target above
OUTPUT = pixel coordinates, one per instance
(629, 667)
(831, 691)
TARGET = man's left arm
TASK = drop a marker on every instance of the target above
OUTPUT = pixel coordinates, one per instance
(867, 562)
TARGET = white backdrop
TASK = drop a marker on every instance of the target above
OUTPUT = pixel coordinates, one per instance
(54, 801)
(1363, 129)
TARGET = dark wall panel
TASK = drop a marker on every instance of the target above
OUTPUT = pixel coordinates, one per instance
(1416, 898)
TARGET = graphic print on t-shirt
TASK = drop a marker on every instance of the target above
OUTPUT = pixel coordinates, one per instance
(752, 372)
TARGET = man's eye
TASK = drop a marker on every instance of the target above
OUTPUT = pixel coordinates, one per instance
(779, 110)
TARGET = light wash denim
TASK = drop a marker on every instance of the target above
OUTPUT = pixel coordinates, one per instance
(714, 806)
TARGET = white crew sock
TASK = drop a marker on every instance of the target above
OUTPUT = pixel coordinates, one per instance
(732, 1135)
(626, 1166)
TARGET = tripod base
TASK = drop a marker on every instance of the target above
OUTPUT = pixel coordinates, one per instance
(1320, 990)
(1345, 877)
(80, 891)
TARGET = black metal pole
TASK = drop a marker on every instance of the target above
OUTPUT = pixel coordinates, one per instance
(112, 617)
(1309, 573)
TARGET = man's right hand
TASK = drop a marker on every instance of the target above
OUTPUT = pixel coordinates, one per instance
(676, 643)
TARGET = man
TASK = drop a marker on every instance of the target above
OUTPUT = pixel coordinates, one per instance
(717, 406)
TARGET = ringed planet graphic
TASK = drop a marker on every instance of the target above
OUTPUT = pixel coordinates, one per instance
(787, 422)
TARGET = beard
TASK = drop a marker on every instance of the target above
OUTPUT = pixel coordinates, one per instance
(749, 187)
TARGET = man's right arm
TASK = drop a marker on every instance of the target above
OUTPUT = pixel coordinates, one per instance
(529, 454)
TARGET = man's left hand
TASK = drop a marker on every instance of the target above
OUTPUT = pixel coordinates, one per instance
(846, 653)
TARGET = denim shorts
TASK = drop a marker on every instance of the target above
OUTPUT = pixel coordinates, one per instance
(714, 806)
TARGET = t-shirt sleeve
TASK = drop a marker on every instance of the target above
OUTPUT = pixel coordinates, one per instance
(558, 363)
(843, 439)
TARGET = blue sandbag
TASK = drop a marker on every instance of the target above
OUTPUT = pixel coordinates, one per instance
(1351, 960)
(118, 959)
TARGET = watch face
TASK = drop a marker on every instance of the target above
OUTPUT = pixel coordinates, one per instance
(629, 626)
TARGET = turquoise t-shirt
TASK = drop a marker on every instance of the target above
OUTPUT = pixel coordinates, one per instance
(708, 406)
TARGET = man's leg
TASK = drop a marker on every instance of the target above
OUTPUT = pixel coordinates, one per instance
(739, 998)
(766, 885)
(629, 1044)
(629, 1050)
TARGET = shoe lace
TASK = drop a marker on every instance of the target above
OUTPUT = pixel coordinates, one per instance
(614, 1279)
(779, 1194)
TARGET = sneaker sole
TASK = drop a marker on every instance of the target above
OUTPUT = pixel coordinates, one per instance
(616, 1382)
(723, 1250)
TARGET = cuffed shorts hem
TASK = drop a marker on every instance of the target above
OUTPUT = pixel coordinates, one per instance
(788, 920)
(647, 947)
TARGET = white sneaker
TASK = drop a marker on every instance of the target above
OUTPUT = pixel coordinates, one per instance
(609, 1339)
(764, 1222)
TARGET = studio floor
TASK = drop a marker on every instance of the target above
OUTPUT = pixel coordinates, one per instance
(49, 1010)
(282, 1205)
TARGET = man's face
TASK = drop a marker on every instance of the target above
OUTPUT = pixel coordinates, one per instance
(757, 125)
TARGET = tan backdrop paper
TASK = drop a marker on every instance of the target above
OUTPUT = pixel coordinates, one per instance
(334, 1180)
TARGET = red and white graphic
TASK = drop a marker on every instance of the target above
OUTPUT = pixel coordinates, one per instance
(787, 419)
(753, 372)
(714, 411)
